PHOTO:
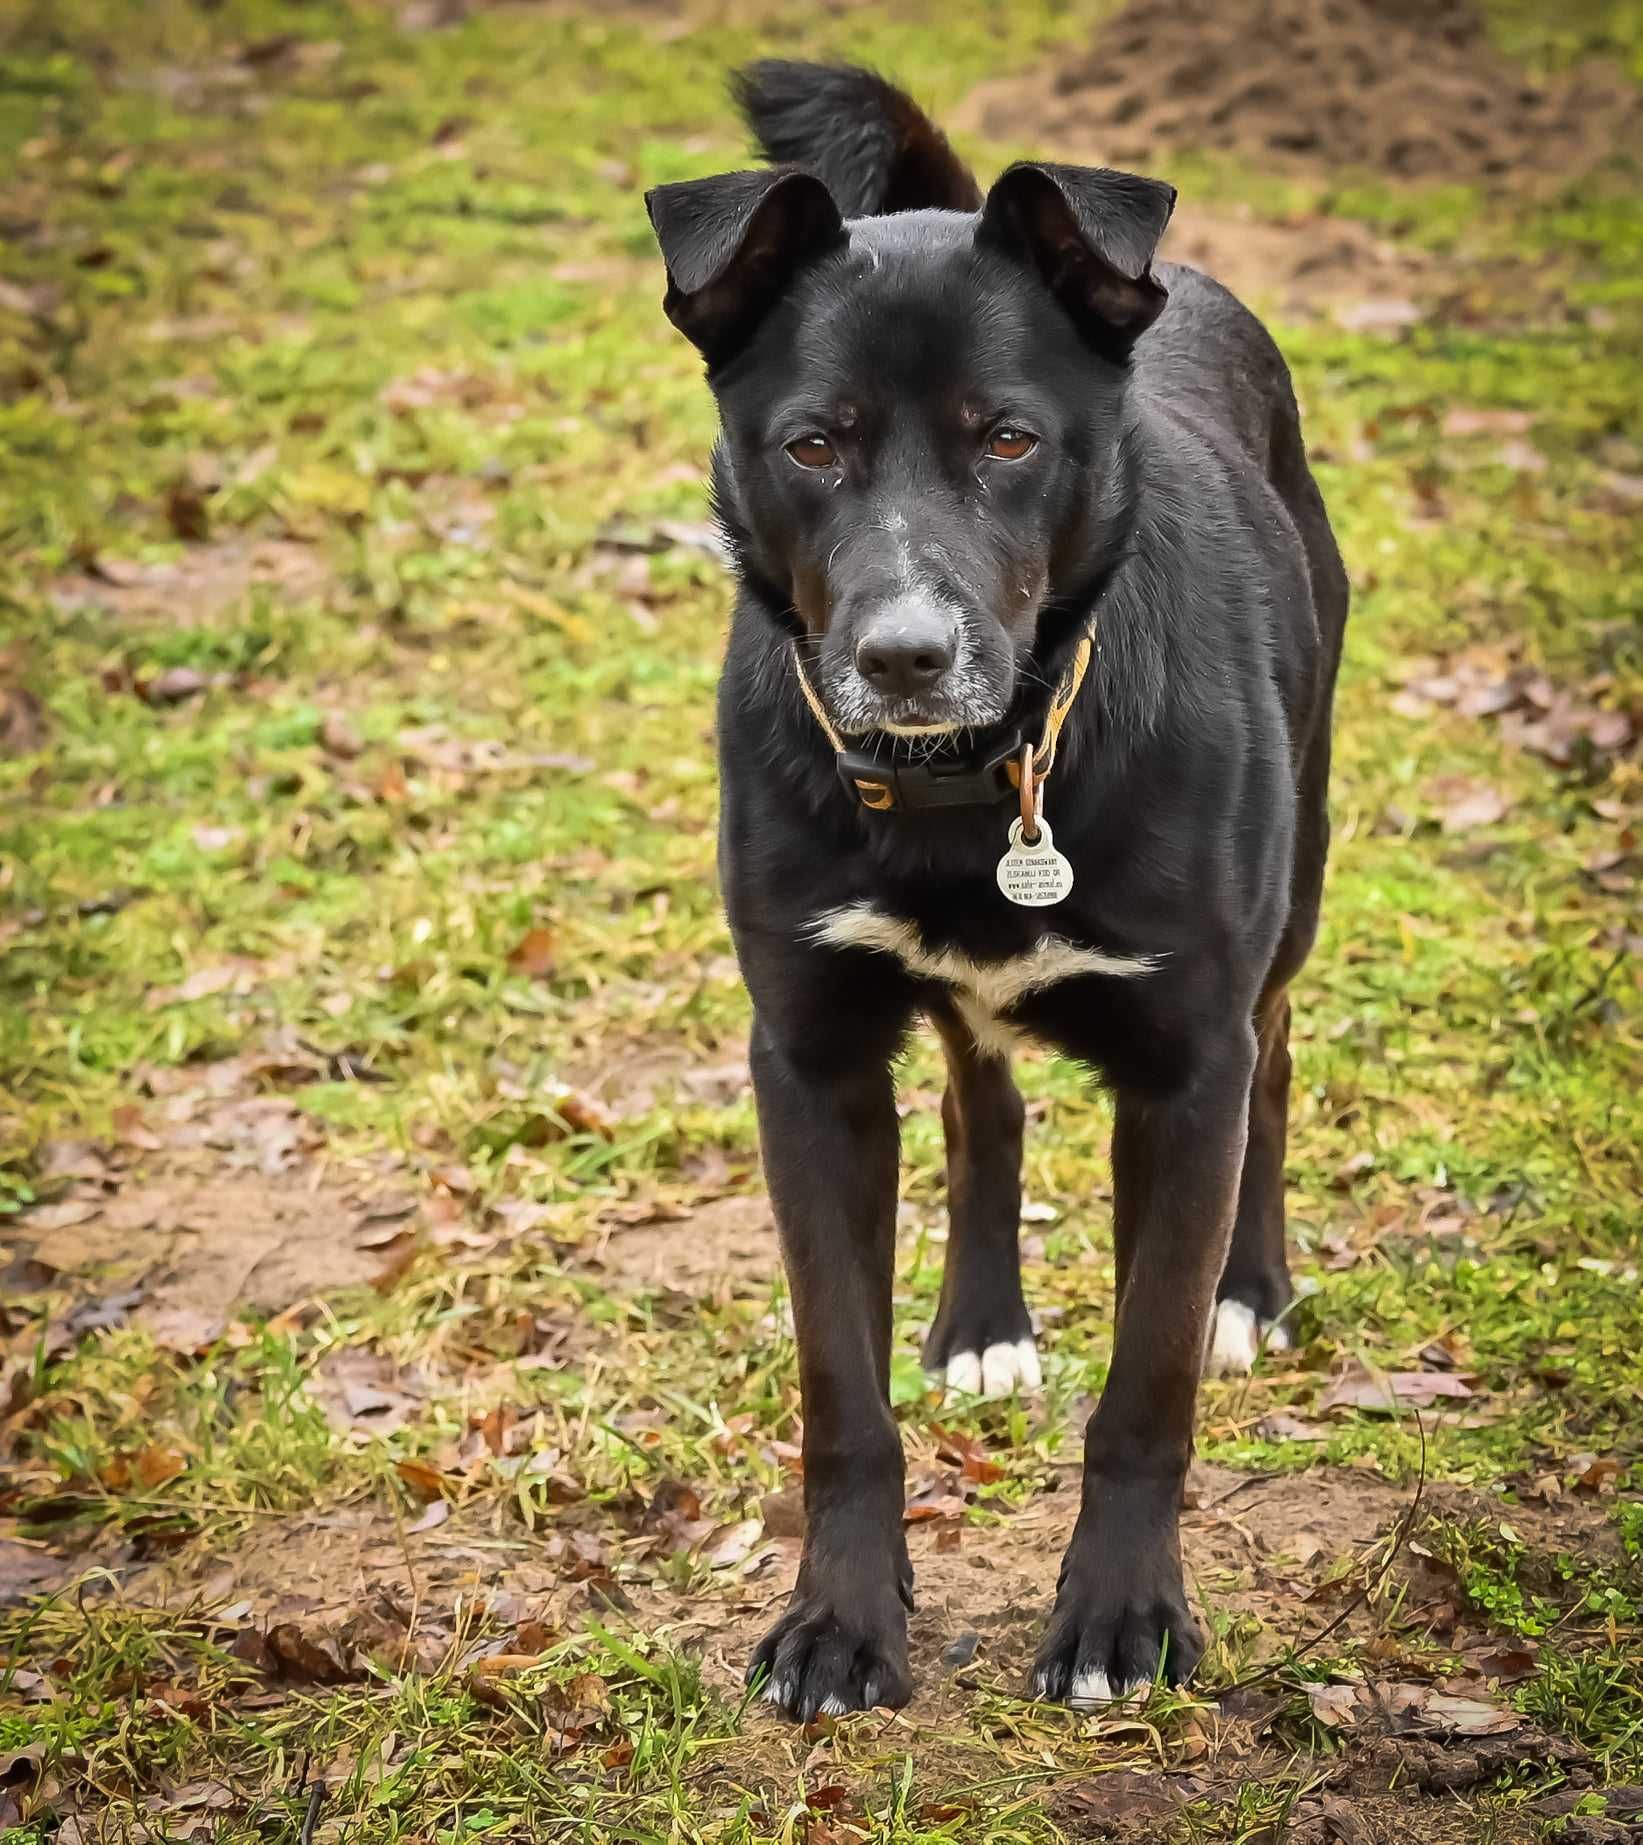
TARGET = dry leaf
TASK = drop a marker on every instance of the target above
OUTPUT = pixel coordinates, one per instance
(967, 1454)
(1334, 1706)
(154, 1465)
(424, 1480)
(434, 1514)
(1383, 1393)
(339, 738)
(172, 686)
(1446, 1715)
(533, 955)
(1465, 803)
(732, 1544)
(302, 1656)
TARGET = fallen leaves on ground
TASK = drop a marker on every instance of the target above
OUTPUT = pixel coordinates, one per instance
(1533, 711)
(1398, 1708)
(535, 954)
(1463, 802)
(1385, 1392)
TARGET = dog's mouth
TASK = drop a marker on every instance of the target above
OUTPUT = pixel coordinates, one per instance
(943, 711)
(929, 720)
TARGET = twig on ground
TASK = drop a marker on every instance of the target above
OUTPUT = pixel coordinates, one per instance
(316, 1799)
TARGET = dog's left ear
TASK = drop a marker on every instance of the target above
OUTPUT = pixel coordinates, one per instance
(732, 243)
(1091, 234)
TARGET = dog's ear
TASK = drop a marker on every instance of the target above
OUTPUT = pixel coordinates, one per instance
(732, 243)
(1091, 234)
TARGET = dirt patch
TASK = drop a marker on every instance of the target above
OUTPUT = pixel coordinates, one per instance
(330, 1597)
(1297, 264)
(200, 1250)
(727, 1244)
(201, 585)
(1402, 89)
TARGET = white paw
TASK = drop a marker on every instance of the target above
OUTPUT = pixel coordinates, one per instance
(995, 1372)
(1237, 1337)
(1091, 1690)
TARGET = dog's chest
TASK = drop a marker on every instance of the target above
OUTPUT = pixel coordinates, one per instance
(983, 991)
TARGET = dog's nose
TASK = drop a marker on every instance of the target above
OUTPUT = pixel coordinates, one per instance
(904, 651)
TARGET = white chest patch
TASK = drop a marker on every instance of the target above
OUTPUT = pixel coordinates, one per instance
(982, 991)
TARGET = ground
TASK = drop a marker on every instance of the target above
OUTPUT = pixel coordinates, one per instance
(399, 1411)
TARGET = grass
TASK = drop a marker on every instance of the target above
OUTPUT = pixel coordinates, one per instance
(335, 392)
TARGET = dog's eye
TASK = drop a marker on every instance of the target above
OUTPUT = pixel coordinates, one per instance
(1009, 444)
(812, 452)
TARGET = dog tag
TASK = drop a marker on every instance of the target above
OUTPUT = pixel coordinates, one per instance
(1034, 875)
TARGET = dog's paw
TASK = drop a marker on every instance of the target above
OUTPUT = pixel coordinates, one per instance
(995, 1371)
(1107, 1643)
(826, 1657)
(1237, 1338)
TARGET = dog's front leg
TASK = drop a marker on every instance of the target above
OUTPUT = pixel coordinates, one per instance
(830, 1143)
(1121, 1607)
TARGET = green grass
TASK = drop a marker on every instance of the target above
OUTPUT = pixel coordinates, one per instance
(385, 304)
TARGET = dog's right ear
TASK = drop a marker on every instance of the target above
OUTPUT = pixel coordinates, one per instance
(1091, 234)
(732, 244)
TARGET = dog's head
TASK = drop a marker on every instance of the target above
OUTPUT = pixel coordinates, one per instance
(922, 404)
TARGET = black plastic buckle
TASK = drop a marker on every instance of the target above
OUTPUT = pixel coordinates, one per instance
(912, 787)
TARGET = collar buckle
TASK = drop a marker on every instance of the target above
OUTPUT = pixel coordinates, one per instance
(917, 787)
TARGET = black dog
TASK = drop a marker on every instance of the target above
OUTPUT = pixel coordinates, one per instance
(964, 438)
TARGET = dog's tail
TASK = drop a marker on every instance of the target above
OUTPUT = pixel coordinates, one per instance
(874, 148)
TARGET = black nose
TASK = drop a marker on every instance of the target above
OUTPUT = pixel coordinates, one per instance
(904, 651)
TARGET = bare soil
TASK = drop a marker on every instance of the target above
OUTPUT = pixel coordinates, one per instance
(1393, 87)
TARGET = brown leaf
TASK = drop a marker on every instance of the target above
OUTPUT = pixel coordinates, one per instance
(434, 1514)
(1465, 803)
(583, 1115)
(131, 1130)
(534, 954)
(339, 738)
(251, 1648)
(172, 686)
(155, 1465)
(176, 1326)
(1381, 1393)
(1446, 1715)
(938, 1505)
(672, 1504)
(1281, 1426)
(24, 1569)
(1463, 420)
(425, 1481)
(966, 1453)
(1596, 1473)
(1334, 1706)
(45, 1218)
(502, 1665)
(732, 1544)
(316, 1657)
(1508, 1663)
(187, 510)
(1121, 1796)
